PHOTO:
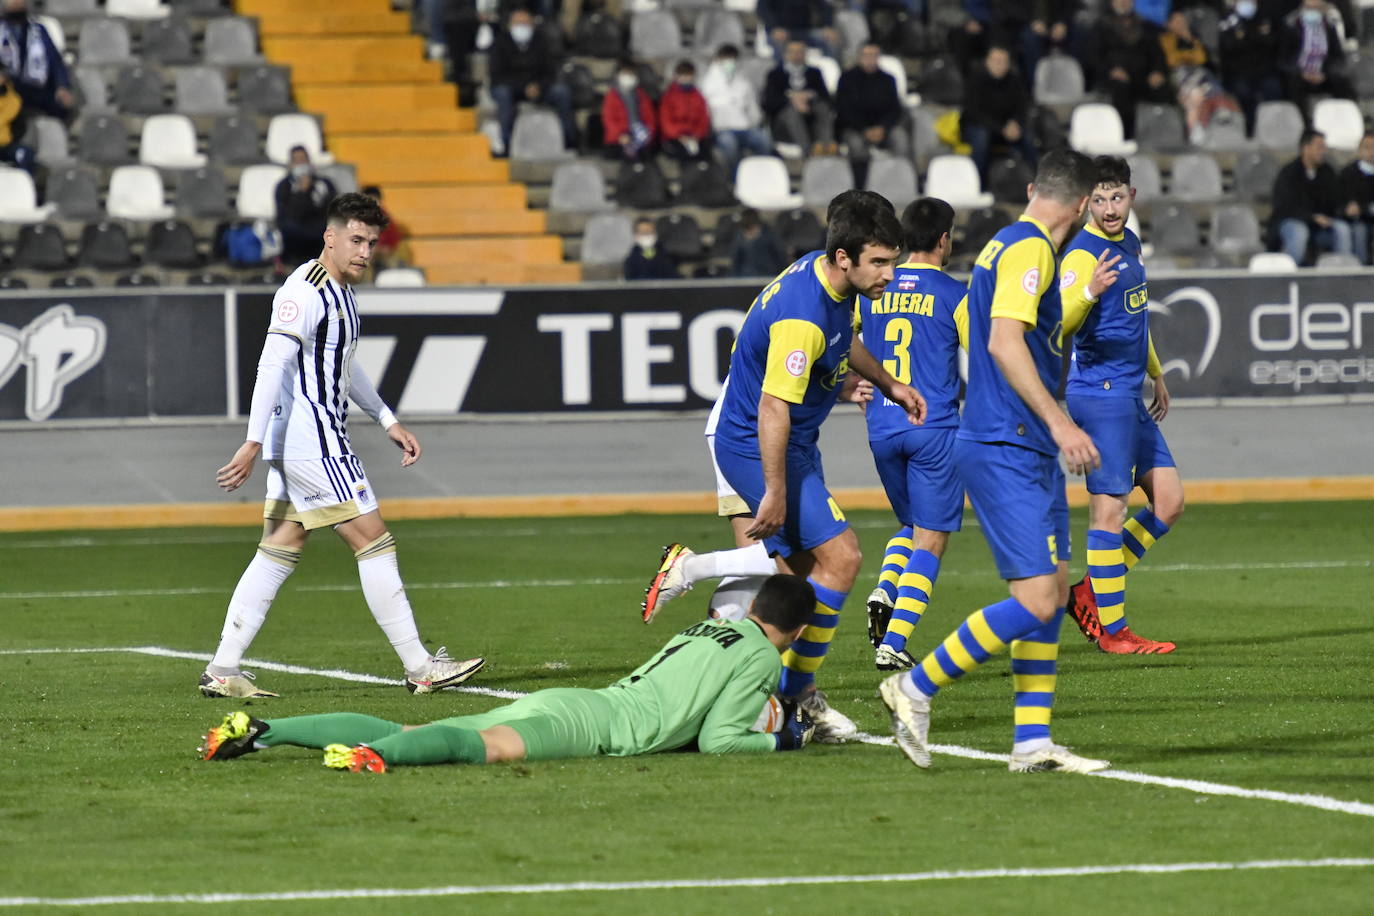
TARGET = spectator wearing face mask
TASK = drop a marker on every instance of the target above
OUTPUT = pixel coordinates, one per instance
(798, 104)
(646, 260)
(524, 68)
(1311, 56)
(1249, 44)
(684, 121)
(627, 116)
(734, 106)
(302, 203)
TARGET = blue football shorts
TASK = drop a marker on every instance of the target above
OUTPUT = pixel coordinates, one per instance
(916, 467)
(813, 516)
(1127, 438)
(1018, 496)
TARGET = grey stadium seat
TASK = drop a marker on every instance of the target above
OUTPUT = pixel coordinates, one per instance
(1235, 230)
(171, 243)
(607, 239)
(1278, 125)
(92, 92)
(1174, 231)
(654, 35)
(235, 140)
(893, 178)
(1159, 127)
(538, 136)
(854, 32)
(1058, 80)
(202, 194)
(680, 236)
(201, 90)
(231, 40)
(1195, 176)
(140, 90)
(578, 187)
(265, 89)
(1145, 178)
(76, 193)
(1254, 175)
(716, 27)
(167, 41)
(823, 177)
(343, 176)
(1338, 260)
(103, 41)
(105, 245)
(63, 8)
(41, 246)
(49, 137)
(102, 139)
(1226, 131)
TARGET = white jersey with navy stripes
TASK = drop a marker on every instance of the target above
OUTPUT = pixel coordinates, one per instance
(310, 419)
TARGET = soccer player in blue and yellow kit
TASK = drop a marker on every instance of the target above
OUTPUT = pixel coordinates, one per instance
(915, 330)
(786, 371)
(1106, 312)
(1006, 454)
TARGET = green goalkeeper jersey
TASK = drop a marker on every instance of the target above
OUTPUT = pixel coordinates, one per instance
(709, 682)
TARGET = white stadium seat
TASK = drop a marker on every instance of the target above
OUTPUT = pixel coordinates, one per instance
(169, 142)
(1095, 128)
(136, 193)
(1341, 121)
(400, 277)
(287, 130)
(258, 191)
(1272, 262)
(136, 9)
(762, 183)
(19, 198)
(954, 179)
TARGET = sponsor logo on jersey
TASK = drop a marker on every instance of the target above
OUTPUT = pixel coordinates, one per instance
(796, 363)
(1136, 300)
(314, 497)
(836, 339)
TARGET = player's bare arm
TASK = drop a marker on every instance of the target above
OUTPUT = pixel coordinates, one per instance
(1007, 345)
(405, 440)
(1159, 406)
(775, 425)
(862, 362)
(240, 467)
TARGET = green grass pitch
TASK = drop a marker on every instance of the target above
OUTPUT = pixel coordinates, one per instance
(101, 793)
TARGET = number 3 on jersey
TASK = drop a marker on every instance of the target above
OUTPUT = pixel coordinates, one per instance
(898, 333)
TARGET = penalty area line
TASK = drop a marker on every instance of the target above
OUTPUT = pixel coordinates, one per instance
(472, 890)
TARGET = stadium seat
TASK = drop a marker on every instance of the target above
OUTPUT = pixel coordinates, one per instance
(231, 41)
(599, 35)
(893, 67)
(105, 246)
(49, 138)
(102, 41)
(762, 182)
(265, 89)
(136, 193)
(201, 91)
(1235, 230)
(171, 243)
(1008, 178)
(829, 67)
(980, 227)
(207, 278)
(91, 90)
(1145, 178)
(11, 282)
(136, 279)
(925, 142)
(399, 277)
(1159, 127)
(1254, 175)
(103, 140)
(538, 137)
(1363, 73)
(343, 175)
(140, 90)
(137, 9)
(285, 131)
(723, 236)
(641, 186)
(257, 197)
(893, 178)
(607, 239)
(654, 35)
(1195, 176)
(854, 32)
(168, 41)
(1341, 121)
(1174, 231)
(1278, 125)
(705, 184)
(1095, 128)
(716, 27)
(19, 198)
(799, 231)
(234, 140)
(1226, 132)
(680, 236)
(1338, 260)
(823, 177)
(75, 192)
(954, 179)
(202, 194)
(578, 188)
(71, 8)
(1272, 262)
(942, 82)
(41, 246)
(1058, 80)
(169, 142)
(71, 281)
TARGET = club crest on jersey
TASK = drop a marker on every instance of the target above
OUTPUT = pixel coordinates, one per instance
(362, 494)
(1068, 279)
(288, 311)
(796, 363)
(1030, 281)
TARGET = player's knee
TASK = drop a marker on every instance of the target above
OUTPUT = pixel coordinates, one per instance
(933, 542)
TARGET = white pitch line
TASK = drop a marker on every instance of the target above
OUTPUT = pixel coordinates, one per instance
(472, 890)
(1201, 787)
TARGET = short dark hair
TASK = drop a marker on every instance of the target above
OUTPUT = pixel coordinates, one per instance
(1308, 136)
(685, 66)
(354, 206)
(784, 601)
(1065, 176)
(749, 218)
(857, 197)
(299, 147)
(373, 191)
(924, 223)
(727, 51)
(853, 227)
(1112, 171)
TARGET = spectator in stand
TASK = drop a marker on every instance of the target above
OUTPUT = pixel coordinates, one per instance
(524, 68)
(1249, 46)
(996, 106)
(1357, 189)
(391, 244)
(868, 114)
(755, 250)
(810, 21)
(12, 123)
(34, 64)
(684, 121)
(1130, 61)
(646, 260)
(1200, 94)
(798, 104)
(1311, 56)
(302, 204)
(1309, 205)
(1050, 29)
(734, 106)
(627, 117)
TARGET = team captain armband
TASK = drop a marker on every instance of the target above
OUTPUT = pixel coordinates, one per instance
(794, 346)
(1024, 273)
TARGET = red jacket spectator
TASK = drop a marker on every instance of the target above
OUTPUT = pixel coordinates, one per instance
(616, 118)
(682, 113)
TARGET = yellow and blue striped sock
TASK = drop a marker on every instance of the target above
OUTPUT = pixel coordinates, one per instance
(1140, 535)
(1034, 658)
(802, 659)
(913, 594)
(895, 557)
(1107, 574)
(985, 633)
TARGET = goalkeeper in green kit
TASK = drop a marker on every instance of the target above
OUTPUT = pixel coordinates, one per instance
(707, 685)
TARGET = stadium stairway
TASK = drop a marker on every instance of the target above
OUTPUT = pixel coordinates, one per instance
(388, 110)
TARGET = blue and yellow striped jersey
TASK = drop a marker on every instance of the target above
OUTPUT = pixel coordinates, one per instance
(1111, 338)
(1014, 277)
(915, 331)
(794, 345)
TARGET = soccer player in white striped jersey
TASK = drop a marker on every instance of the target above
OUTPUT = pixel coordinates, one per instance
(298, 424)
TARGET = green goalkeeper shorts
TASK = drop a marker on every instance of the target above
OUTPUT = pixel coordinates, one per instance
(555, 723)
